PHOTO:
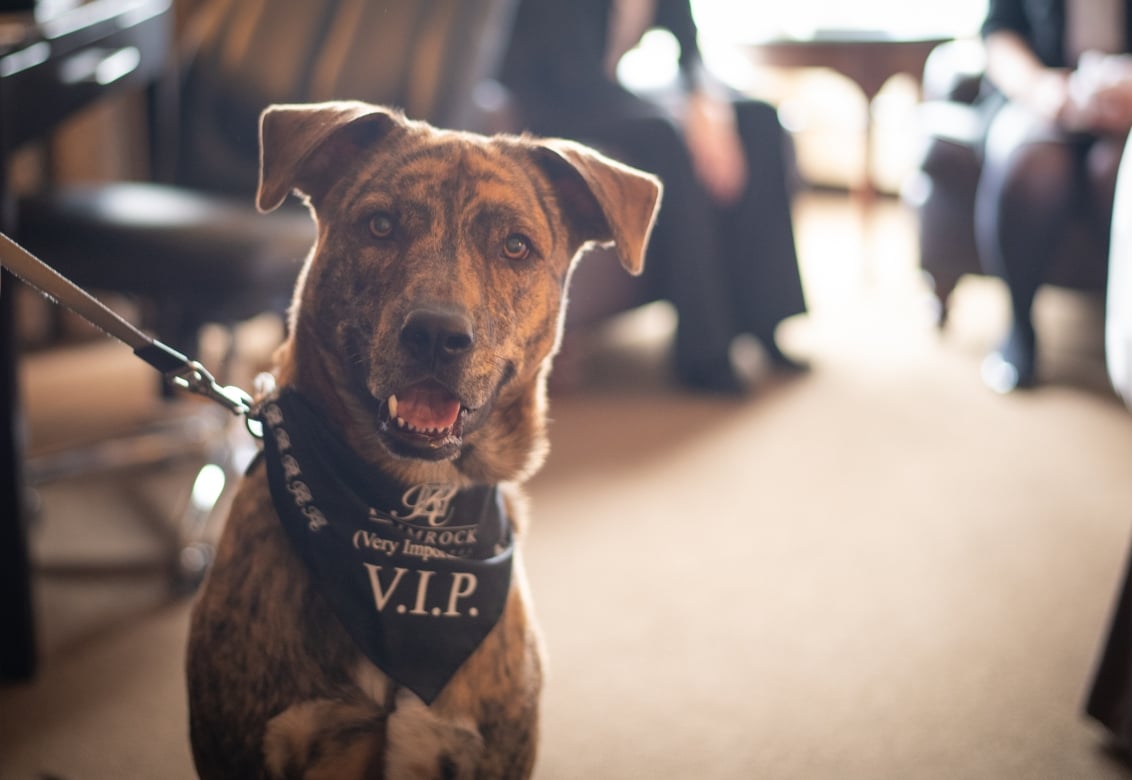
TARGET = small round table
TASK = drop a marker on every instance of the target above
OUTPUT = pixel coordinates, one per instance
(867, 57)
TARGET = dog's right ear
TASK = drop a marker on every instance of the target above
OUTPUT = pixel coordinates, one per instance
(616, 204)
(302, 145)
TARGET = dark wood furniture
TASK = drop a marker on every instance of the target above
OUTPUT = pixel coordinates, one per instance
(50, 68)
(949, 168)
(190, 243)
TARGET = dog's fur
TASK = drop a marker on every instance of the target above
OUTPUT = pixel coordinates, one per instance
(276, 688)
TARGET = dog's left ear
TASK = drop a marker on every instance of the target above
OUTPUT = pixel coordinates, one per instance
(301, 144)
(612, 201)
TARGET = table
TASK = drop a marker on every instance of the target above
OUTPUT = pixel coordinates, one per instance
(50, 68)
(868, 58)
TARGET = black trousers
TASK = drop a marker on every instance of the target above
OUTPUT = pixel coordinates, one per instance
(1035, 178)
(727, 270)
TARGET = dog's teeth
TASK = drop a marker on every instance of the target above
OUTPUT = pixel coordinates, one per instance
(403, 425)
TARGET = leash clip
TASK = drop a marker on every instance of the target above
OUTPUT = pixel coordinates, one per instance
(175, 367)
(195, 378)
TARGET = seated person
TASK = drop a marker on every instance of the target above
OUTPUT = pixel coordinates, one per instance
(1058, 121)
(723, 247)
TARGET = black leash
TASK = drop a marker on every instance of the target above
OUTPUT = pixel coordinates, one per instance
(178, 369)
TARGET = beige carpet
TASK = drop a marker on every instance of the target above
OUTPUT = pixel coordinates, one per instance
(880, 570)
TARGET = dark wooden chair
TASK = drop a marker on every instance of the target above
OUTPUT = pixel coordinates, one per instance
(949, 169)
(189, 244)
(191, 241)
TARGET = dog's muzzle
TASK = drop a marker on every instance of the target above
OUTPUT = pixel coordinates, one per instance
(425, 418)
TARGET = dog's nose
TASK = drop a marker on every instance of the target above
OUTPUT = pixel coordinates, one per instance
(437, 333)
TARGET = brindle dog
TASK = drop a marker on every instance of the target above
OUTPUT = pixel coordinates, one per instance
(474, 237)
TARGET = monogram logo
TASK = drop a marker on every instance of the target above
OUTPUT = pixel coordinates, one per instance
(431, 501)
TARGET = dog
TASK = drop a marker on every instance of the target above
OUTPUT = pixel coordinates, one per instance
(420, 337)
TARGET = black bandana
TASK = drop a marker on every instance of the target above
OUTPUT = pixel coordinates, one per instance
(418, 574)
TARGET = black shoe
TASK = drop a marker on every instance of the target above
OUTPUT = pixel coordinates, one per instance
(780, 362)
(783, 363)
(1012, 366)
(716, 376)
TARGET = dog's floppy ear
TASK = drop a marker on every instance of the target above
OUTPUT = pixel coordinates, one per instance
(294, 147)
(614, 202)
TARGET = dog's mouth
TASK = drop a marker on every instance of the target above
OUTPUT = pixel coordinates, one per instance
(424, 420)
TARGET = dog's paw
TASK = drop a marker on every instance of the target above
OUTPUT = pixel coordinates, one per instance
(423, 745)
(324, 739)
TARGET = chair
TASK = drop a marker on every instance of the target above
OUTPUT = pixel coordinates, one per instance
(190, 245)
(194, 242)
(949, 166)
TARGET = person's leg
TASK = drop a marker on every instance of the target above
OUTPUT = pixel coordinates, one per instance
(684, 260)
(758, 238)
(1102, 161)
(1024, 197)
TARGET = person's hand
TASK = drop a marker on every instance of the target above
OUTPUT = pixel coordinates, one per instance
(717, 152)
(1101, 90)
(1050, 97)
(1110, 109)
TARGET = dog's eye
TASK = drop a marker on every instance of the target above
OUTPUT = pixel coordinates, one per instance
(381, 224)
(516, 247)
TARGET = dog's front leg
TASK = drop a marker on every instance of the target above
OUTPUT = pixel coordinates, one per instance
(330, 739)
(422, 745)
(325, 739)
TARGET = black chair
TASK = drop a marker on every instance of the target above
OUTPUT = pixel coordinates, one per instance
(192, 242)
(949, 168)
(190, 245)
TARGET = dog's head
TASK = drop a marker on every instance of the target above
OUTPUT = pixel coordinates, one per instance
(428, 311)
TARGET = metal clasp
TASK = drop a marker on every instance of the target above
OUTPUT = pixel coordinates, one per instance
(196, 379)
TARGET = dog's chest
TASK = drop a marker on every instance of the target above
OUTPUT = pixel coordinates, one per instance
(417, 574)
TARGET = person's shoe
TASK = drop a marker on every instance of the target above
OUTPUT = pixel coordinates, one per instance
(783, 363)
(751, 348)
(1012, 366)
(717, 377)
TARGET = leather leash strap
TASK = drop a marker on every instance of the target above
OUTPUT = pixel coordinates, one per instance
(177, 368)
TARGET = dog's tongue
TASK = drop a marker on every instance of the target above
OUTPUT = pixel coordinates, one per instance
(428, 405)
